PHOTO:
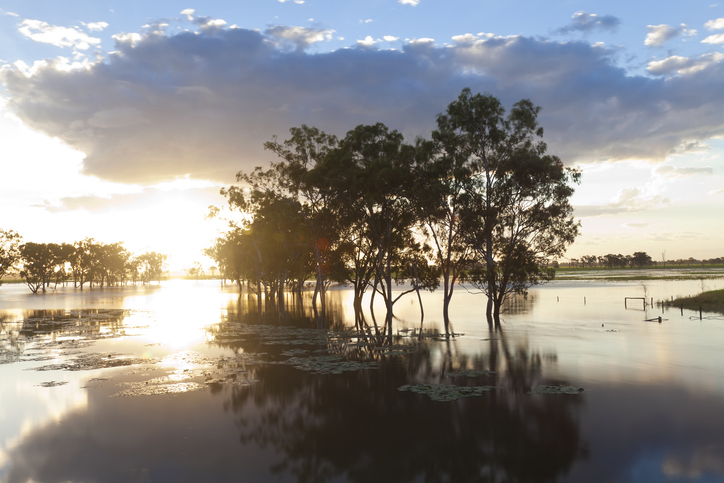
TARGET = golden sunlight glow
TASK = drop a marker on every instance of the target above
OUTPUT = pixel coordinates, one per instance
(178, 323)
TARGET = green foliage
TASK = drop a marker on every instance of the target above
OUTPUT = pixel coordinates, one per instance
(9, 251)
(482, 197)
(711, 301)
(515, 212)
(39, 263)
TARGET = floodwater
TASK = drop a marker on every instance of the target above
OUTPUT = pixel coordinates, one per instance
(186, 382)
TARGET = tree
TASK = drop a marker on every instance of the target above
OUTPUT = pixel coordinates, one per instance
(83, 262)
(39, 263)
(641, 259)
(152, 266)
(373, 168)
(517, 213)
(442, 176)
(195, 271)
(9, 251)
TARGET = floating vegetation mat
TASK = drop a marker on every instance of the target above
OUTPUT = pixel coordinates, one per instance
(86, 362)
(446, 392)
(53, 383)
(328, 364)
(223, 370)
(470, 373)
(556, 390)
(59, 332)
(160, 389)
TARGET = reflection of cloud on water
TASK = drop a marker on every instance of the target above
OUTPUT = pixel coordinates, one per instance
(695, 463)
(30, 408)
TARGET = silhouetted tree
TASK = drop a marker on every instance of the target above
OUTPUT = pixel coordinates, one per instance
(517, 214)
(9, 251)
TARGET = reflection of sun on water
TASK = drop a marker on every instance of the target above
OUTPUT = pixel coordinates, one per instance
(179, 319)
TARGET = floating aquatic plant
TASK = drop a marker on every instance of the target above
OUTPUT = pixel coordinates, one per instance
(542, 389)
(446, 392)
(53, 383)
(470, 373)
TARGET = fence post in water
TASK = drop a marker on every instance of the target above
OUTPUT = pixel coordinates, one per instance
(584, 300)
(682, 309)
(700, 313)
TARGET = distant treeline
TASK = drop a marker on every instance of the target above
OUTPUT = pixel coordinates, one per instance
(637, 260)
(41, 265)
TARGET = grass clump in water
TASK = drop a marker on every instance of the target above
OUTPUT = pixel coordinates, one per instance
(711, 301)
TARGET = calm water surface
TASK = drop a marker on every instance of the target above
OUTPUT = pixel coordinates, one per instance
(186, 382)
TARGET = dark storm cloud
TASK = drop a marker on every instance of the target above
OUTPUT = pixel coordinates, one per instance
(590, 22)
(203, 103)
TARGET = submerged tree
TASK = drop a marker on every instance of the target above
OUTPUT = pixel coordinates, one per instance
(517, 213)
(9, 251)
(39, 263)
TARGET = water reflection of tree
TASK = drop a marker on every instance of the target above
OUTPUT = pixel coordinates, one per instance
(360, 427)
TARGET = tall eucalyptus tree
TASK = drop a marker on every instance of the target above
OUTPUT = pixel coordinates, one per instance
(517, 213)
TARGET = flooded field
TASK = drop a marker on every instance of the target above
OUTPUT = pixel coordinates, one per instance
(186, 382)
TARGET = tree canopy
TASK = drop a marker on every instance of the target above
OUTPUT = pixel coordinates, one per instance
(481, 201)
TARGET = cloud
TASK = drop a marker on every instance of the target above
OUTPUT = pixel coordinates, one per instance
(717, 24)
(683, 65)
(590, 22)
(660, 34)
(627, 200)
(714, 39)
(674, 172)
(636, 225)
(390, 38)
(12, 14)
(203, 102)
(367, 42)
(96, 26)
(299, 37)
(43, 32)
(414, 3)
(125, 201)
(298, 2)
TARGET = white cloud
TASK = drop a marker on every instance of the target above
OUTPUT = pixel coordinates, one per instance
(299, 37)
(627, 200)
(369, 20)
(96, 26)
(414, 3)
(367, 42)
(422, 41)
(589, 22)
(43, 32)
(714, 39)
(659, 34)
(299, 2)
(129, 39)
(390, 38)
(12, 14)
(683, 65)
(674, 172)
(717, 24)
(465, 38)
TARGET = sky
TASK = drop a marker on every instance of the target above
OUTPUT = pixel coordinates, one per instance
(121, 121)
